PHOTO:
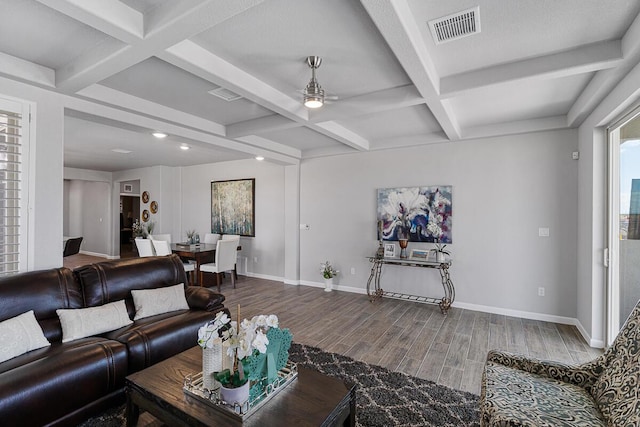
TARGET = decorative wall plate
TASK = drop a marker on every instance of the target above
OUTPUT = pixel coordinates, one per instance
(145, 215)
(154, 207)
(145, 197)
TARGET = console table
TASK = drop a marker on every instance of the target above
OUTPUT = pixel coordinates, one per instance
(443, 267)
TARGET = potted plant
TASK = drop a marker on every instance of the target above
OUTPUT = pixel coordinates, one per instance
(440, 252)
(248, 345)
(328, 272)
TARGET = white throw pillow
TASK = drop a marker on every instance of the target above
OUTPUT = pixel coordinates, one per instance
(149, 302)
(20, 335)
(85, 322)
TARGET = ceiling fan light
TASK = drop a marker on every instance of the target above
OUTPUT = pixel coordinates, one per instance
(313, 101)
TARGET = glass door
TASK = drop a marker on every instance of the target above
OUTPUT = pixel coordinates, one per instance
(624, 225)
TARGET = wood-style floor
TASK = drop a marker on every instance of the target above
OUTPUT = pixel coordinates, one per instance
(404, 336)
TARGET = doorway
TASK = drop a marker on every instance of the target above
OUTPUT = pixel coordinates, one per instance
(129, 212)
(624, 221)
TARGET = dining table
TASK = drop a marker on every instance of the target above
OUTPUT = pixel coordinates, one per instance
(201, 253)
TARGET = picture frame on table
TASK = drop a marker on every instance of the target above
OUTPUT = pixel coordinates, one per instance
(420, 254)
(389, 250)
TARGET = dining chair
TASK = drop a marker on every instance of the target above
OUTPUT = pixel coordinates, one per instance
(225, 261)
(163, 248)
(235, 237)
(166, 237)
(145, 248)
(72, 246)
(211, 238)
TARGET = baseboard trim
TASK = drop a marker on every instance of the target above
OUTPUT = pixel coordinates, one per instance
(100, 255)
(265, 277)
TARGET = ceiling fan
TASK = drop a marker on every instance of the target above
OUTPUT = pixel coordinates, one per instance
(314, 96)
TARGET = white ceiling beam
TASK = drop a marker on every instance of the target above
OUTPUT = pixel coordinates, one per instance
(195, 59)
(260, 125)
(98, 64)
(370, 103)
(409, 48)
(139, 120)
(516, 127)
(108, 96)
(270, 145)
(112, 17)
(604, 81)
(26, 71)
(585, 59)
(409, 141)
(341, 134)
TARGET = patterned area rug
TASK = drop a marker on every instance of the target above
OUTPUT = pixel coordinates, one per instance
(384, 398)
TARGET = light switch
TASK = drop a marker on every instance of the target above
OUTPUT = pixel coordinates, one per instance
(543, 232)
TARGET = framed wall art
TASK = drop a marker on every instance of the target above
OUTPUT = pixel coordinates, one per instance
(389, 250)
(233, 207)
(419, 214)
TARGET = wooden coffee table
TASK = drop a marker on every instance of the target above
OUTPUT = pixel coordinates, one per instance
(312, 399)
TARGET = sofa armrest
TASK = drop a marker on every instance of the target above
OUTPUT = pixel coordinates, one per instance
(203, 298)
(584, 375)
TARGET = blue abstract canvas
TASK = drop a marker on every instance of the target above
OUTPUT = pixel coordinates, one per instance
(419, 214)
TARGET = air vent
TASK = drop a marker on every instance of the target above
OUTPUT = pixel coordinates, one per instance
(456, 26)
(225, 94)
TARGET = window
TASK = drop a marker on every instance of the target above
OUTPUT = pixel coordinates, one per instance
(12, 194)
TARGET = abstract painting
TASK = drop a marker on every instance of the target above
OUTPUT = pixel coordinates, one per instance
(418, 214)
(233, 207)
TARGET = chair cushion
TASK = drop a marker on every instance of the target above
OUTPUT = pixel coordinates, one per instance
(19, 335)
(617, 390)
(149, 302)
(85, 322)
(512, 397)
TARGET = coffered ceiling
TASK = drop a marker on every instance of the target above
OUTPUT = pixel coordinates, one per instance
(134, 66)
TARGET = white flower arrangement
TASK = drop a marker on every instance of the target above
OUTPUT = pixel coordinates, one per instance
(327, 270)
(252, 336)
(215, 331)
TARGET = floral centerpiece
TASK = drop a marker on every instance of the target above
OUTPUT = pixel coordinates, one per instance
(259, 349)
(211, 336)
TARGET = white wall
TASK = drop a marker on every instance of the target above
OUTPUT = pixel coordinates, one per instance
(504, 189)
(268, 244)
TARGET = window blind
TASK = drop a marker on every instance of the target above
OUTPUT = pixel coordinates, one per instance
(10, 190)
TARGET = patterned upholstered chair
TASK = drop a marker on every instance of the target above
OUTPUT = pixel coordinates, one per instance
(520, 391)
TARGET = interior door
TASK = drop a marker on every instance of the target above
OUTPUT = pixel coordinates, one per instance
(624, 221)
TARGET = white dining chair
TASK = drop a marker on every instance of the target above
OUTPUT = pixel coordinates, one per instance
(145, 247)
(225, 261)
(211, 238)
(166, 237)
(163, 248)
(235, 237)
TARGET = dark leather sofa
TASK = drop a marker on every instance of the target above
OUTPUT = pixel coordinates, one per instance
(65, 383)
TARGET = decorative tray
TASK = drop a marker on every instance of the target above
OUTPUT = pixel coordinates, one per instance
(194, 388)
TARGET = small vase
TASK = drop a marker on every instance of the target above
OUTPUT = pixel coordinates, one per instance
(328, 284)
(403, 247)
(440, 257)
(237, 395)
(211, 362)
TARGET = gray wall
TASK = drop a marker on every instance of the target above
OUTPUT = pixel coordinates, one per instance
(504, 189)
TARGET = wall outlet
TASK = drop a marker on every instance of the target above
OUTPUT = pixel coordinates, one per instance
(255, 259)
(543, 232)
(353, 270)
(541, 291)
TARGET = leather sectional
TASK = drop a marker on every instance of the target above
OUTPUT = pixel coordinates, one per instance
(65, 383)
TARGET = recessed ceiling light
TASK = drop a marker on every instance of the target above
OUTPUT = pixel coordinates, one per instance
(159, 135)
(121, 151)
(259, 158)
(184, 147)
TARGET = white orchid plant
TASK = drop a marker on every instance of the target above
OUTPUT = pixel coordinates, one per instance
(247, 341)
(215, 331)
